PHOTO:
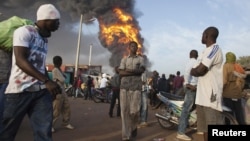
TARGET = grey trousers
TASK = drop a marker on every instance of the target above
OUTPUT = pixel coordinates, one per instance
(130, 111)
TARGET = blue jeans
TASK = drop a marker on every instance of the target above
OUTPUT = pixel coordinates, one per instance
(144, 106)
(2, 90)
(38, 106)
(187, 105)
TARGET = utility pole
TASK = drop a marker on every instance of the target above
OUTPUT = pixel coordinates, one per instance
(78, 49)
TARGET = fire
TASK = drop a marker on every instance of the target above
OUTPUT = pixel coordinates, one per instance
(122, 31)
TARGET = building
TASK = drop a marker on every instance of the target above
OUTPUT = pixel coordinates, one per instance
(69, 69)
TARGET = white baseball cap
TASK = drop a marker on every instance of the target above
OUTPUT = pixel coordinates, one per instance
(47, 12)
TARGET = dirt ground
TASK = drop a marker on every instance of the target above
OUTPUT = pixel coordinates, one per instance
(92, 123)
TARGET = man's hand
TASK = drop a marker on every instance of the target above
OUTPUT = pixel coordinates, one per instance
(53, 87)
(139, 71)
(191, 87)
(200, 70)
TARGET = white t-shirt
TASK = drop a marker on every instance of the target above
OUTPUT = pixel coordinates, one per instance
(212, 81)
(103, 82)
(27, 36)
(188, 78)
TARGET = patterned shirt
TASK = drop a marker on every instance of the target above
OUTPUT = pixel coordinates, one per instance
(131, 82)
(27, 36)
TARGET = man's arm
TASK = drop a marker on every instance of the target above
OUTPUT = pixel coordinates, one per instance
(200, 70)
(21, 54)
(130, 72)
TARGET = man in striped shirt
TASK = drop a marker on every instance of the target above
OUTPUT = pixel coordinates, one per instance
(210, 82)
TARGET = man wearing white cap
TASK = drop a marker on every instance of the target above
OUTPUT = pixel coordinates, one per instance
(30, 91)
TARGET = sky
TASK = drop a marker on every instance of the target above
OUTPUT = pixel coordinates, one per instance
(174, 27)
(170, 29)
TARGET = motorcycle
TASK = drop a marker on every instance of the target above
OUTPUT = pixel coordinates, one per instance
(101, 95)
(169, 112)
(71, 91)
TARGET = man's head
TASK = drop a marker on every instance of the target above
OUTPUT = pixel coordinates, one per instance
(133, 46)
(193, 54)
(210, 35)
(47, 19)
(104, 75)
(57, 61)
(155, 73)
(178, 73)
(230, 57)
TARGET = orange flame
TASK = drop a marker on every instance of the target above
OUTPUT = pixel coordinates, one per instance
(122, 32)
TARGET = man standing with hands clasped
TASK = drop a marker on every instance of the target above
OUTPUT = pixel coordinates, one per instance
(210, 83)
(130, 70)
(30, 90)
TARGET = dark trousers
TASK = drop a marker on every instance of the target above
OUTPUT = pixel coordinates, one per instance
(237, 109)
(153, 98)
(38, 106)
(116, 95)
(2, 89)
(88, 93)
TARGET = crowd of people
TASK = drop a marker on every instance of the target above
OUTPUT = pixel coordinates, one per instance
(172, 85)
(208, 84)
(26, 88)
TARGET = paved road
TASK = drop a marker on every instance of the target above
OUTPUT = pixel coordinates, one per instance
(92, 123)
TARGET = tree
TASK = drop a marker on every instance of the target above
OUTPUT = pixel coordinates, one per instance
(244, 61)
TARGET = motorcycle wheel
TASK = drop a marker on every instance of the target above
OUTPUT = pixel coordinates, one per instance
(229, 119)
(164, 111)
(96, 97)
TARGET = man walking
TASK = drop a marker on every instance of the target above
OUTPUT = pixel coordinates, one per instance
(61, 105)
(29, 90)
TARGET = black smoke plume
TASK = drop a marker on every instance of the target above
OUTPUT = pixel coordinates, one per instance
(71, 11)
